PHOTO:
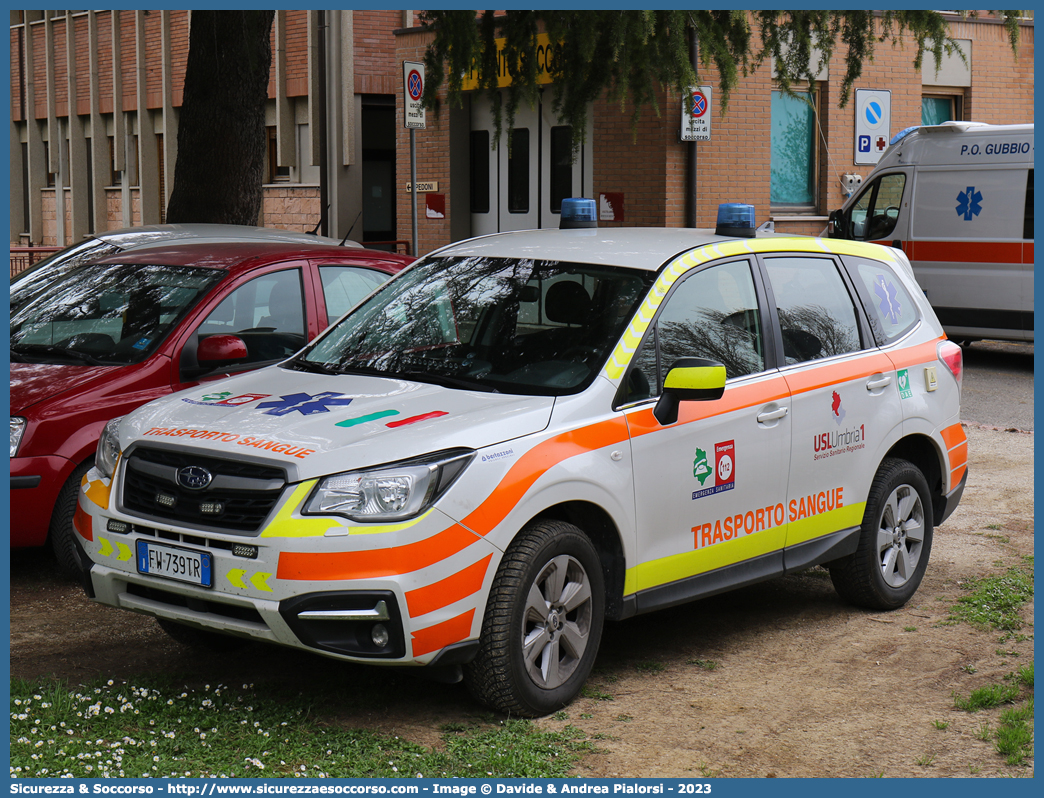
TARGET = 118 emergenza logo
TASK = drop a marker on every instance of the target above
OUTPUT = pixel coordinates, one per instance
(724, 469)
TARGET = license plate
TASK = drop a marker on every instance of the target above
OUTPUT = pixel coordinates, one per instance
(171, 562)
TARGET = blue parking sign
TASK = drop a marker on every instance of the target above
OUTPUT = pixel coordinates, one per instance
(864, 144)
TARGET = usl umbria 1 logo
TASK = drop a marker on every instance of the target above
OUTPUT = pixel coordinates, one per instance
(830, 443)
(724, 469)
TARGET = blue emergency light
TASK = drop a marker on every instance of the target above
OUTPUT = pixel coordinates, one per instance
(902, 134)
(578, 213)
(735, 219)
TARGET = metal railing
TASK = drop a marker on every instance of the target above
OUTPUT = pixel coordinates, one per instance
(24, 257)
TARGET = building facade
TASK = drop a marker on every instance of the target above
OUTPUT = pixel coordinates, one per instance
(95, 98)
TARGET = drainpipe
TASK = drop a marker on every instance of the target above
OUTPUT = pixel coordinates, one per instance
(690, 177)
(324, 159)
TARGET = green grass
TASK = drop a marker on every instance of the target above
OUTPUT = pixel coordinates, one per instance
(650, 666)
(594, 691)
(987, 697)
(704, 664)
(153, 728)
(941, 724)
(995, 601)
(1015, 734)
(1013, 737)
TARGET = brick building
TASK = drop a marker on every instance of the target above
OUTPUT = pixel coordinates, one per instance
(106, 164)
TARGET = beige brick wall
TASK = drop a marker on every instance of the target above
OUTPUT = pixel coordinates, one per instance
(291, 208)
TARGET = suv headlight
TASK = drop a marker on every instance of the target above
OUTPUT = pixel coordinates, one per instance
(17, 428)
(389, 493)
(108, 451)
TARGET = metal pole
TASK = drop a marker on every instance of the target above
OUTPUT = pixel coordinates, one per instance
(413, 187)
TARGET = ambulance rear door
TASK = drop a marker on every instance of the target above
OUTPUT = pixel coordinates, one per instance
(967, 247)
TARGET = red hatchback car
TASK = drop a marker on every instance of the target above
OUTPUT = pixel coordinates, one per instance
(120, 331)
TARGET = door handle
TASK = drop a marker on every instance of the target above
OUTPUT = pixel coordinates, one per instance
(772, 415)
(879, 382)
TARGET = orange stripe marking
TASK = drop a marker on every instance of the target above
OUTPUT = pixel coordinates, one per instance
(915, 355)
(835, 373)
(967, 251)
(82, 523)
(443, 593)
(959, 456)
(953, 436)
(442, 634)
(397, 560)
(956, 475)
(737, 397)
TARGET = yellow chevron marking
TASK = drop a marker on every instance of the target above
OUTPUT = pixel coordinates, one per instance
(235, 576)
(106, 547)
(258, 581)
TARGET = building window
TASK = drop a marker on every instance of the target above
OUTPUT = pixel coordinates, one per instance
(162, 179)
(794, 152)
(132, 162)
(480, 171)
(274, 173)
(518, 171)
(561, 166)
(940, 108)
(47, 164)
(115, 177)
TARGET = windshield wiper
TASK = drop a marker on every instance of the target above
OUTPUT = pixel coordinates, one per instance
(311, 366)
(445, 381)
(32, 350)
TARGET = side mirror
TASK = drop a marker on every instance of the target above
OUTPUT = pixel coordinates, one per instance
(221, 350)
(834, 222)
(690, 379)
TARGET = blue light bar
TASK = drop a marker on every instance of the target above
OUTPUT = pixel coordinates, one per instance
(902, 134)
(735, 219)
(578, 212)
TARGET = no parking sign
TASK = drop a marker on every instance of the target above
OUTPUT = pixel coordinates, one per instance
(696, 114)
(413, 84)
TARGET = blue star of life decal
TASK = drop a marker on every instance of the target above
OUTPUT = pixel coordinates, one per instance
(304, 403)
(968, 203)
(890, 305)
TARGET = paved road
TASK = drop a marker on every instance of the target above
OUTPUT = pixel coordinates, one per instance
(998, 385)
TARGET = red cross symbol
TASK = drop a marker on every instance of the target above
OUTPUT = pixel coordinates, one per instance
(881, 143)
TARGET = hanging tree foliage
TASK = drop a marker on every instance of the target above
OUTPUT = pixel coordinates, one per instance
(631, 55)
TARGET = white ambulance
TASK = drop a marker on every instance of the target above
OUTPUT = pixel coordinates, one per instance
(958, 198)
(527, 434)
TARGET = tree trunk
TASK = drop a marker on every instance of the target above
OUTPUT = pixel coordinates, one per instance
(221, 132)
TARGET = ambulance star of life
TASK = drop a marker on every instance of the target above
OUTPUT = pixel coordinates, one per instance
(525, 435)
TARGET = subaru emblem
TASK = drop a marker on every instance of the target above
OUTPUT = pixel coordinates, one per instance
(194, 477)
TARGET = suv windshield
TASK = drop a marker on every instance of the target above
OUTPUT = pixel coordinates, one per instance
(106, 314)
(496, 324)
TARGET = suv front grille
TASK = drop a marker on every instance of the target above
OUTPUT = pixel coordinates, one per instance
(239, 498)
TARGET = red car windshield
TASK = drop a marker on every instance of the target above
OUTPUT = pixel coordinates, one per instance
(106, 314)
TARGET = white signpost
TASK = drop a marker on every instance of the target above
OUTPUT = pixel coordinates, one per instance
(872, 123)
(413, 118)
(696, 114)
